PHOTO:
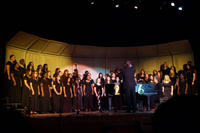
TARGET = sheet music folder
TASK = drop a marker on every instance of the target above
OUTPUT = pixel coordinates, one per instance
(109, 88)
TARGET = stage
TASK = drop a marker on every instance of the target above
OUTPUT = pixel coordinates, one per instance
(93, 121)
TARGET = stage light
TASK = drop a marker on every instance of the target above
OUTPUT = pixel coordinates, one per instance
(92, 3)
(180, 8)
(136, 7)
(172, 4)
(117, 5)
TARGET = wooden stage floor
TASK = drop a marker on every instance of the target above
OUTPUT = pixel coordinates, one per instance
(93, 121)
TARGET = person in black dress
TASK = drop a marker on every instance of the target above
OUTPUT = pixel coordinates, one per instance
(77, 89)
(146, 78)
(142, 74)
(39, 71)
(155, 72)
(30, 66)
(67, 89)
(173, 78)
(182, 85)
(22, 67)
(51, 88)
(45, 94)
(15, 85)
(164, 69)
(167, 87)
(26, 89)
(39, 67)
(57, 94)
(45, 68)
(151, 81)
(117, 95)
(56, 73)
(88, 92)
(113, 77)
(98, 89)
(190, 77)
(7, 76)
(159, 94)
(35, 89)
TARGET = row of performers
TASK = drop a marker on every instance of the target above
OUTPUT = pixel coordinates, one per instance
(61, 93)
(57, 93)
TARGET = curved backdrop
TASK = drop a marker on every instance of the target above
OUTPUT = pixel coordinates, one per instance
(96, 59)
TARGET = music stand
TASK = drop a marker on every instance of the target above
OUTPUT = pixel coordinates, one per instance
(109, 88)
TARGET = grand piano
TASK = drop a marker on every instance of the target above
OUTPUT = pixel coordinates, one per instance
(145, 89)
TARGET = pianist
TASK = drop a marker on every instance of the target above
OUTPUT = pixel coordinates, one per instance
(159, 94)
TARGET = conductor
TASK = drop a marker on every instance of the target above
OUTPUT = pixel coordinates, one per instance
(129, 86)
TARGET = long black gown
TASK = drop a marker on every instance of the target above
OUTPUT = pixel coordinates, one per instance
(6, 83)
(34, 98)
(50, 80)
(57, 98)
(88, 98)
(167, 89)
(189, 77)
(46, 106)
(77, 100)
(26, 92)
(67, 101)
(99, 93)
(15, 91)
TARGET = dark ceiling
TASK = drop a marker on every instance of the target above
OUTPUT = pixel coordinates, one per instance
(102, 24)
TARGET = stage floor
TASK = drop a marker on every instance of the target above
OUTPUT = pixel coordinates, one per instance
(89, 113)
(93, 121)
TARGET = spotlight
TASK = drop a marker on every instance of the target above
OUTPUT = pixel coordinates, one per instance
(172, 4)
(92, 3)
(136, 7)
(117, 5)
(180, 8)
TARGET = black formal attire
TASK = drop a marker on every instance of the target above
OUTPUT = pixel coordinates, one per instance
(78, 99)
(129, 86)
(117, 97)
(34, 104)
(156, 97)
(67, 102)
(57, 98)
(88, 98)
(46, 105)
(167, 89)
(26, 94)
(165, 72)
(99, 93)
(50, 80)
(189, 77)
(182, 86)
(22, 71)
(15, 91)
(102, 82)
(6, 82)
(173, 82)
